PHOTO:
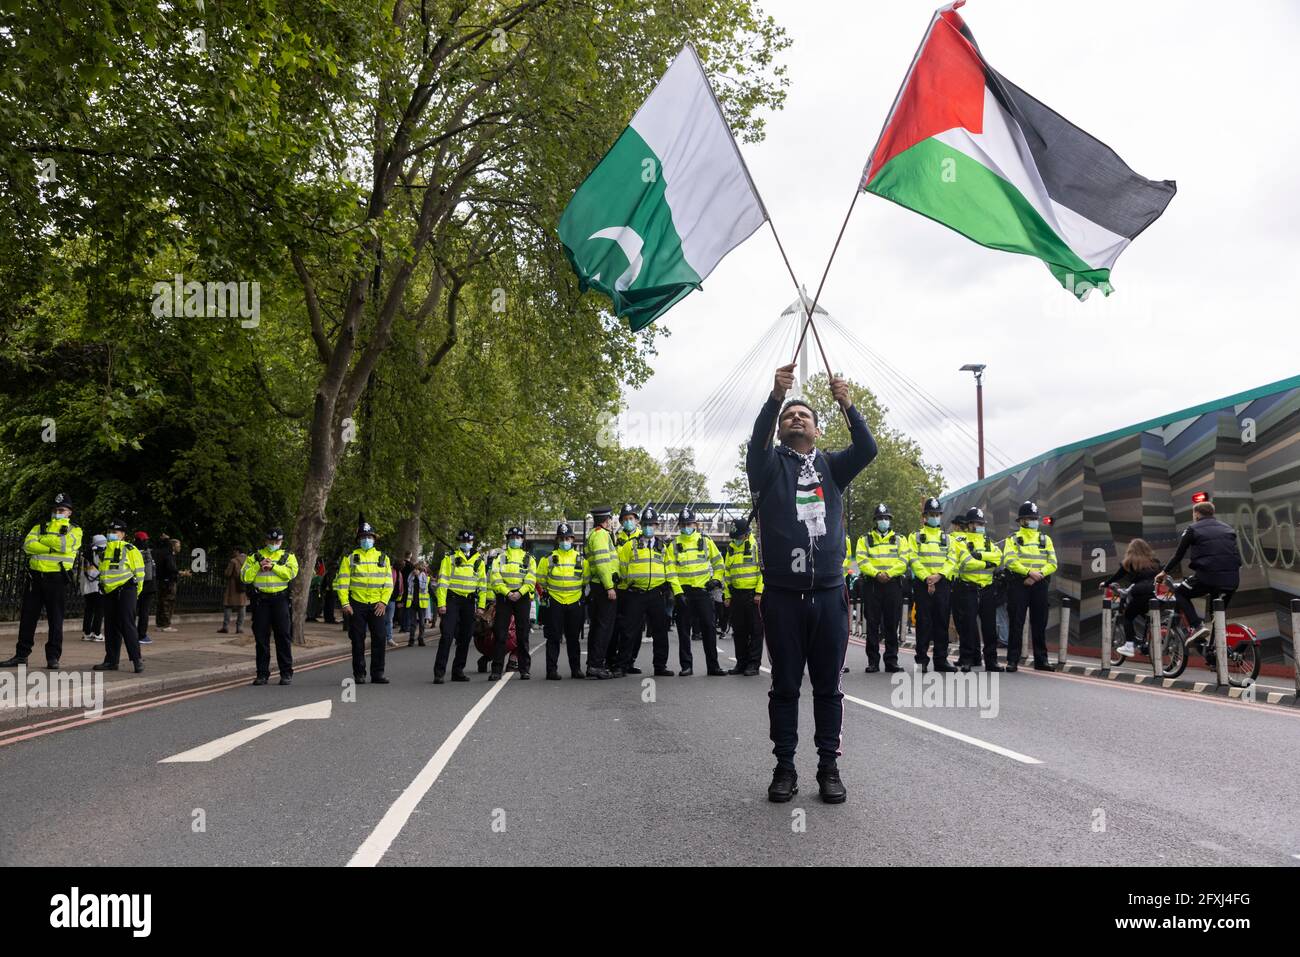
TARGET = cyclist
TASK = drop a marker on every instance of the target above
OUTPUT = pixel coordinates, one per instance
(1141, 565)
(1215, 563)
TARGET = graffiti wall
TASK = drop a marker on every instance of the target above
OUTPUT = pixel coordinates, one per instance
(1244, 451)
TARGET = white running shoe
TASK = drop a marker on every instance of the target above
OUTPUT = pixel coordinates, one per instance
(1197, 635)
(87, 637)
(1126, 649)
(99, 638)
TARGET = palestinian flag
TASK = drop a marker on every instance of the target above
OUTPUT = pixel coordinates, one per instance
(668, 201)
(970, 149)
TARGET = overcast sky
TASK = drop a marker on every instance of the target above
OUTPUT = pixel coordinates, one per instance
(1204, 303)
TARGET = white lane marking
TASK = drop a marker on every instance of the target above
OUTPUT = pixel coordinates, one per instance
(315, 711)
(956, 735)
(373, 849)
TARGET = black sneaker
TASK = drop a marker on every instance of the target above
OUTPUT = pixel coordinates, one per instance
(601, 674)
(751, 672)
(494, 676)
(717, 673)
(784, 786)
(830, 787)
(892, 669)
(359, 679)
(378, 680)
(1044, 666)
(663, 673)
(439, 679)
(259, 681)
(139, 667)
(686, 672)
(632, 671)
(872, 669)
(104, 666)
(52, 665)
(459, 676)
(286, 680)
(553, 676)
(617, 673)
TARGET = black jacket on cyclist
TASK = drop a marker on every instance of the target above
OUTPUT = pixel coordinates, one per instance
(1145, 577)
(1212, 547)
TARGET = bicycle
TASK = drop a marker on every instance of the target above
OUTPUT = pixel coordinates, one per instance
(1243, 659)
(1173, 654)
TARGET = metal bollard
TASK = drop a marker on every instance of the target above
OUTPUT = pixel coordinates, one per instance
(1106, 635)
(1295, 629)
(1220, 641)
(1064, 641)
(1154, 640)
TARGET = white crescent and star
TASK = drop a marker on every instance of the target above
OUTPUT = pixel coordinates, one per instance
(631, 244)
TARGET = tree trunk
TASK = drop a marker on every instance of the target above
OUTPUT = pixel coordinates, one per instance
(408, 529)
(309, 525)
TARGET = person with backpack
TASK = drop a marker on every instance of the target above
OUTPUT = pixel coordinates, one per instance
(148, 589)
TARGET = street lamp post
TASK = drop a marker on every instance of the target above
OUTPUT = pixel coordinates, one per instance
(978, 369)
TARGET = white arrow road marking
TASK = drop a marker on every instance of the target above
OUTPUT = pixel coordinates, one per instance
(215, 749)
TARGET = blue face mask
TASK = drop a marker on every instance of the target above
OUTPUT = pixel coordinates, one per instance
(465, 547)
(629, 526)
(1032, 523)
(933, 521)
(979, 529)
(688, 529)
(648, 532)
(516, 542)
(114, 536)
(367, 543)
(883, 525)
(565, 546)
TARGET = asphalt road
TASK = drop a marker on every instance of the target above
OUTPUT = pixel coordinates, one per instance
(1071, 770)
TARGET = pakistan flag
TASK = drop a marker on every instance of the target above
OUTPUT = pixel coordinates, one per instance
(668, 201)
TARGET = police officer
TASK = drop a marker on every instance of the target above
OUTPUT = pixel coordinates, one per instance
(514, 577)
(743, 582)
(627, 532)
(974, 601)
(932, 567)
(695, 563)
(559, 581)
(121, 577)
(1030, 559)
(643, 563)
(50, 548)
(268, 572)
(883, 557)
(462, 585)
(601, 560)
(366, 576)
(799, 497)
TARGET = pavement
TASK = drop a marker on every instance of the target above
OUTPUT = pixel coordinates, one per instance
(193, 654)
(1062, 770)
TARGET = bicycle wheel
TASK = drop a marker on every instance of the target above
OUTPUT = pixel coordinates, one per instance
(1115, 641)
(1243, 664)
(1173, 650)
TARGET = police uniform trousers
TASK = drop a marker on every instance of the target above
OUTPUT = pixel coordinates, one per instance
(271, 615)
(647, 608)
(806, 629)
(975, 613)
(563, 621)
(119, 624)
(882, 607)
(1022, 598)
(696, 605)
(602, 626)
(458, 629)
(366, 620)
(520, 611)
(45, 591)
(746, 628)
(932, 619)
